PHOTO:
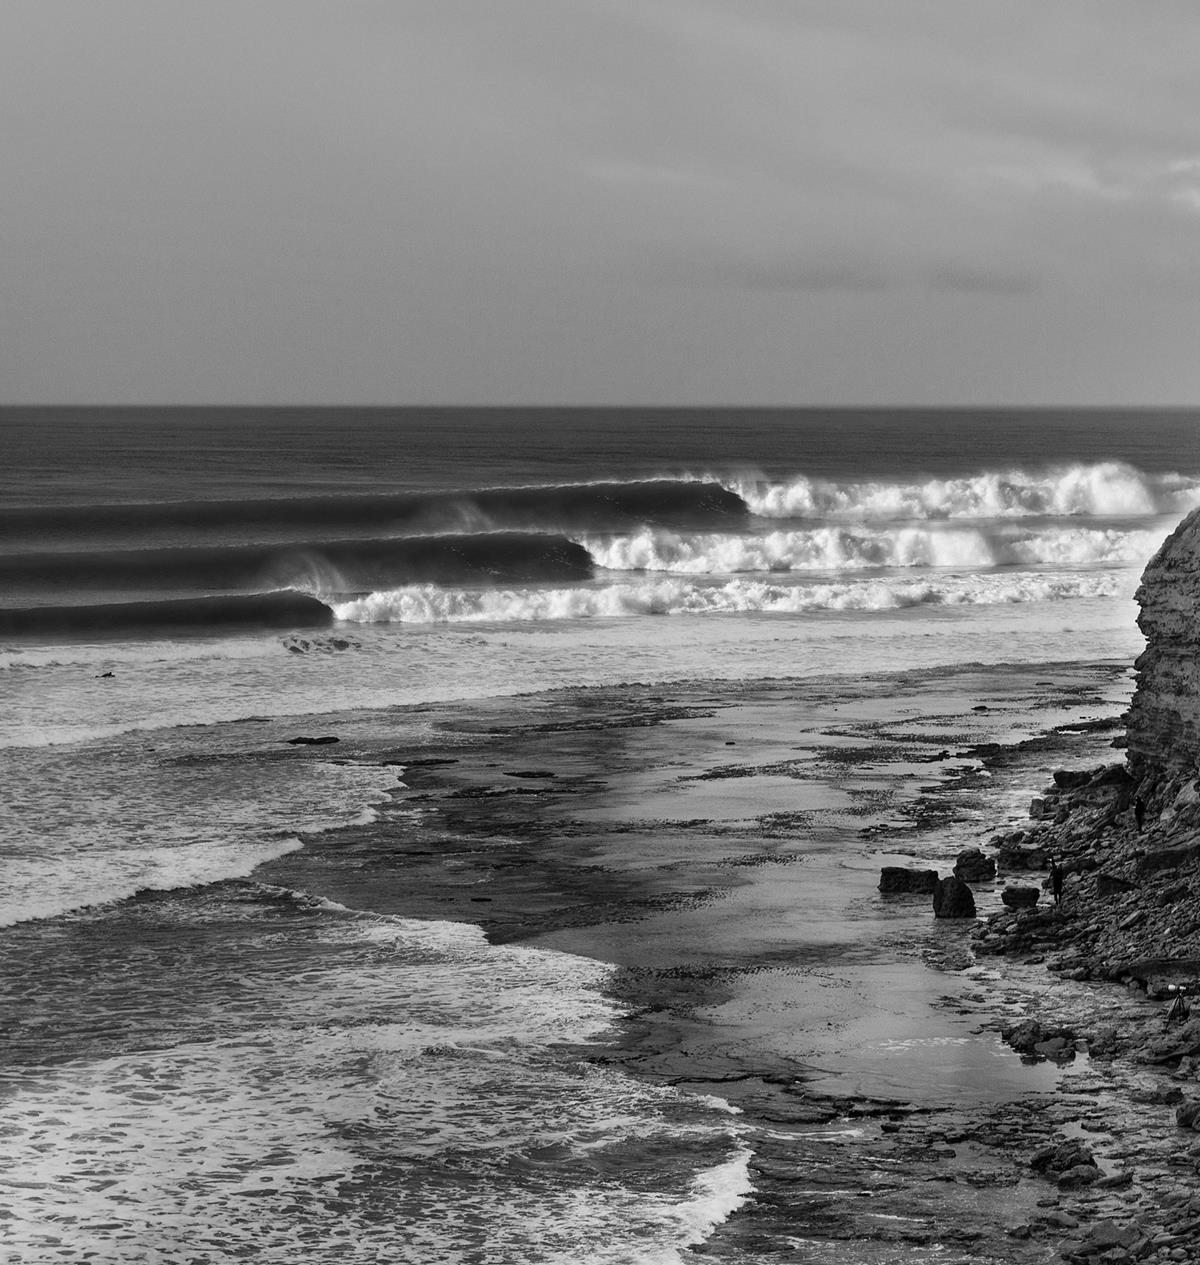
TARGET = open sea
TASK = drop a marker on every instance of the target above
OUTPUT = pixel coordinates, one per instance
(199, 1066)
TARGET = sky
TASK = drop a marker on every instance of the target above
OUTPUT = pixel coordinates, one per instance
(781, 202)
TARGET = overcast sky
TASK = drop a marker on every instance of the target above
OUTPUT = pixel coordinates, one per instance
(600, 201)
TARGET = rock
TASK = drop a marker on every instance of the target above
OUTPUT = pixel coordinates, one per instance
(1055, 1048)
(898, 880)
(1021, 854)
(1106, 1235)
(1061, 1157)
(1024, 1036)
(1187, 1114)
(1112, 885)
(1174, 858)
(1104, 1042)
(973, 867)
(952, 898)
(1079, 1175)
(323, 741)
(1070, 779)
(1020, 897)
(1163, 723)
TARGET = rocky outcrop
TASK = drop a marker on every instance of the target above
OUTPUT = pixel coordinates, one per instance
(1020, 897)
(898, 880)
(1164, 720)
(973, 867)
(952, 898)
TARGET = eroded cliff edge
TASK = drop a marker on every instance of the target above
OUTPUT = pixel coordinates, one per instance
(1163, 724)
(1127, 835)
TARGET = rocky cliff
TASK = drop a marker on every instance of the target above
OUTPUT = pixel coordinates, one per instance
(1164, 721)
(1128, 835)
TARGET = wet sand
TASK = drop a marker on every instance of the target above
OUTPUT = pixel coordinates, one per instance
(721, 845)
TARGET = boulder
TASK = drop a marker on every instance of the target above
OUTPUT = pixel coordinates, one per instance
(1113, 885)
(1024, 1036)
(898, 880)
(1080, 1175)
(1056, 1161)
(973, 867)
(1020, 854)
(1020, 897)
(1187, 1114)
(304, 740)
(1028, 1037)
(1107, 1236)
(952, 898)
(1070, 779)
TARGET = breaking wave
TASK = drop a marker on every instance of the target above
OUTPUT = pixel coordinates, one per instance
(847, 549)
(1107, 489)
(428, 604)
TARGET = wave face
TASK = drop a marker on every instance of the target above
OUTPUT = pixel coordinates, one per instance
(1108, 489)
(202, 615)
(583, 506)
(339, 566)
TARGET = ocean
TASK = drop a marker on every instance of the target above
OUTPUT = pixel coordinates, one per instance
(234, 1024)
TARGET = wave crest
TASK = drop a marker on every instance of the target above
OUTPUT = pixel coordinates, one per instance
(846, 549)
(1107, 489)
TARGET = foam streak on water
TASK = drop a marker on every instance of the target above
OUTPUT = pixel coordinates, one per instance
(187, 808)
(402, 1100)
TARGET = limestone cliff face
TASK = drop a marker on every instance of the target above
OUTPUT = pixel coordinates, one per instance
(1164, 719)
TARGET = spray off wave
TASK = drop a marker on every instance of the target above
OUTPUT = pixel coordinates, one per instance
(848, 549)
(1107, 489)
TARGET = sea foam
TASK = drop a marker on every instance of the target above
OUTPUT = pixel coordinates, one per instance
(426, 604)
(1108, 489)
(403, 1090)
(850, 549)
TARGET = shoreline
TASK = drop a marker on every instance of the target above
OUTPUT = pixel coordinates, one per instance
(669, 830)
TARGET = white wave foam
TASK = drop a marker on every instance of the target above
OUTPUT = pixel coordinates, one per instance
(182, 813)
(427, 604)
(718, 1193)
(38, 886)
(847, 549)
(399, 1090)
(1108, 489)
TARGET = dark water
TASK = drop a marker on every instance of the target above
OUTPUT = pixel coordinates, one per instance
(81, 456)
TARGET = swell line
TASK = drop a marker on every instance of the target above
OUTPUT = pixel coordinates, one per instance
(569, 506)
(318, 566)
(188, 615)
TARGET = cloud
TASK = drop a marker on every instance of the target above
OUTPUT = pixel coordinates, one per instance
(415, 200)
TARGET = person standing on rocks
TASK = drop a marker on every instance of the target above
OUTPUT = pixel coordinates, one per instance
(1056, 881)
